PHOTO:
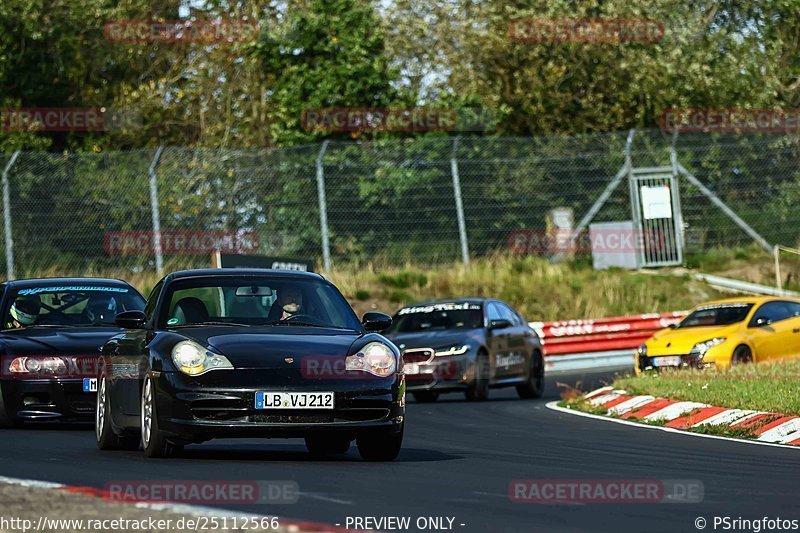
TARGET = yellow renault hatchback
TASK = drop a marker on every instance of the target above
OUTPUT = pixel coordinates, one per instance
(725, 333)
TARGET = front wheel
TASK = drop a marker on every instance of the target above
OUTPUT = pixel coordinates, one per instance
(534, 386)
(478, 390)
(380, 444)
(154, 441)
(742, 355)
(105, 437)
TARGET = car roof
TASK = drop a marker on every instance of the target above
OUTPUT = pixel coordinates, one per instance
(455, 301)
(230, 272)
(52, 282)
(749, 300)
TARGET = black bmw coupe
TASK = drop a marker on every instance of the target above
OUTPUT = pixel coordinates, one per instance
(52, 333)
(251, 353)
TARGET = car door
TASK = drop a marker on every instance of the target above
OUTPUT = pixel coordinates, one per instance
(793, 323)
(496, 339)
(772, 330)
(513, 363)
(127, 354)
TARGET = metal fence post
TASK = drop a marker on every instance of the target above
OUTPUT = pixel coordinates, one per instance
(323, 209)
(7, 216)
(155, 213)
(462, 226)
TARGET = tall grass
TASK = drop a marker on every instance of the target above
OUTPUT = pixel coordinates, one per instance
(540, 290)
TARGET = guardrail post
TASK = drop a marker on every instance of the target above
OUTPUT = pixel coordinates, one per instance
(323, 208)
(7, 216)
(462, 225)
(155, 212)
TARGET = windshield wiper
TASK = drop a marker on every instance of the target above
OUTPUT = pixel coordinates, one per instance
(211, 323)
(298, 323)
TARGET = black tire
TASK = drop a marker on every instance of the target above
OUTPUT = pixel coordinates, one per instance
(426, 396)
(742, 356)
(322, 445)
(381, 444)
(154, 442)
(104, 434)
(6, 420)
(534, 386)
(478, 389)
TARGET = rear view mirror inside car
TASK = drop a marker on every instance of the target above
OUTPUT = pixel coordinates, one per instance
(253, 291)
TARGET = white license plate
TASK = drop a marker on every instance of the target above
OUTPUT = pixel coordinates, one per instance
(411, 368)
(667, 361)
(89, 384)
(294, 400)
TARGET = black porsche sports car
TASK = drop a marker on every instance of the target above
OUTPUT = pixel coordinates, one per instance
(467, 345)
(52, 334)
(251, 353)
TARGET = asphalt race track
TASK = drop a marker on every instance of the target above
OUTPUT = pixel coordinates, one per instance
(458, 460)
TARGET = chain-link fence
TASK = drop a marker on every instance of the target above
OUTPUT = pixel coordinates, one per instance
(424, 200)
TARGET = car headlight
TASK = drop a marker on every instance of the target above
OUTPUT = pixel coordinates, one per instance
(641, 351)
(453, 350)
(193, 359)
(375, 358)
(702, 347)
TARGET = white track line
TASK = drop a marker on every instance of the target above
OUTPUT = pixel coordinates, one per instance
(555, 407)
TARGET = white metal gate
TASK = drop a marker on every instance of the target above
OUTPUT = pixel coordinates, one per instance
(656, 206)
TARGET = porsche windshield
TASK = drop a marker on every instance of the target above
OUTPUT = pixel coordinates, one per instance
(256, 301)
(437, 317)
(716, 315)
(69, 305)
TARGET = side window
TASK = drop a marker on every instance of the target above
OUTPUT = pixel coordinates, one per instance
(794, 308)
(774, 311)
(508, 314)
(151, 300)
(492, 312)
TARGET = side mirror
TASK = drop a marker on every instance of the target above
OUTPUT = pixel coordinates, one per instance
(131, 319)
(762, 321)
(376, 321)
(501, 323)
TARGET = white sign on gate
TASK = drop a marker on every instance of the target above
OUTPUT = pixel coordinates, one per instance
(656, 202)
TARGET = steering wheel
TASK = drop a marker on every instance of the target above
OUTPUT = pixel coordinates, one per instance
(300, 317)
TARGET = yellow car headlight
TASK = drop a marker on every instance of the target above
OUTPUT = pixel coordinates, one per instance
(193, 359)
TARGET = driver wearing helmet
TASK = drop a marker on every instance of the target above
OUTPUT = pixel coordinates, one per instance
(101, 309)
(24, 312)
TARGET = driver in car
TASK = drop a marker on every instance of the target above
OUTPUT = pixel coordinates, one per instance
(290, 301)
(24, 312)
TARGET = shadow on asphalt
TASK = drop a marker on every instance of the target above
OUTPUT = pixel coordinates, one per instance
(212, 452)
(554, 385)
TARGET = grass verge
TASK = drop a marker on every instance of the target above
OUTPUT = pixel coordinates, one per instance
(763, 387)
(767, 387)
